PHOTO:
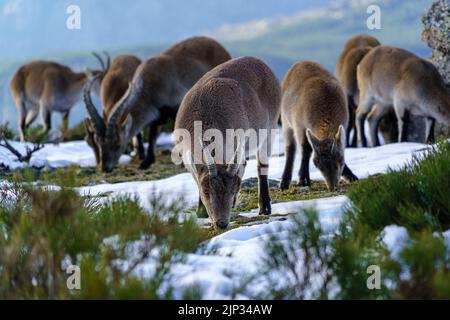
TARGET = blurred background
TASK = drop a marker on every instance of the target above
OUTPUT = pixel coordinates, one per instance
(280, 32)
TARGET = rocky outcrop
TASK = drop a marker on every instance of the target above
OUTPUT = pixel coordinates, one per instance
(436, 34)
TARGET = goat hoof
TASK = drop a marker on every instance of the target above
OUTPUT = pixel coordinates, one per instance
(265, 210)
(305, 182)
(144, 165)
(284, 185)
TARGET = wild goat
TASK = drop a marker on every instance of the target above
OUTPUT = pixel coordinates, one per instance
(154, 95)
(395, 77)
(241, 97)
(355, 49)
(42, 87)
(113, 86)
(314, 114)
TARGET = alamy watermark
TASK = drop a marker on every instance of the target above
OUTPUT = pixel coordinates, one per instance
(73, 21)
(73, 281)
(222, 147)
(373, 22)
(374, 280)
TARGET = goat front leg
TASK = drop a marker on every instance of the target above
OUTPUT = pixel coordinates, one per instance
(263, 155)
(306, 151)
(361, 115)
(348, 175)
(64, 125)
(376, 114)
(138, 145)
(152, 136)
(263, 190)
(353, 143)
(403, 124)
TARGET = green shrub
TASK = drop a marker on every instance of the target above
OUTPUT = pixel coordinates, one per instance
(6, 131)
(303, 261)
(36, 134)
(75, 133)
(281, 272)
(42, 231)
(416, 197)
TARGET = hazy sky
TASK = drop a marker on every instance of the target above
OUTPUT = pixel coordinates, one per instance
(30, 27)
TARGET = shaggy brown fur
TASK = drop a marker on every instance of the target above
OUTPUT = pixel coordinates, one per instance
(395, 77)
(42, 87)
(114, 85)
(156, 91)
(355, 49)
(314, 114)
(240, 94)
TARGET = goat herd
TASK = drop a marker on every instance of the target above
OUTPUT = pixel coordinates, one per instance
(196, 81)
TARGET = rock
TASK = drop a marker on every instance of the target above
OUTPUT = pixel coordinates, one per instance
(436, 34)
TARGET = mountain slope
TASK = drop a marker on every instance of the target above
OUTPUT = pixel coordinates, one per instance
(322, 37)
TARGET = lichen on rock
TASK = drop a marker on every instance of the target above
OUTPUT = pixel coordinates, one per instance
(436, 34)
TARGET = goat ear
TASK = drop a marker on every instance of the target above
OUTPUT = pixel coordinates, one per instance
(313, 140)
(340, 136)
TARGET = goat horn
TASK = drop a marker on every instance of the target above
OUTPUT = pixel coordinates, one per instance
(99, 58)
(212, 169)
(122, 106)
(118, 110)
(108, 60)
(92, 111)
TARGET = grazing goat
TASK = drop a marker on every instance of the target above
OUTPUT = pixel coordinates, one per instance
(154, 96)
(241, 97)
(42, 87)
(395, 77)
(113, 86)
(355, 49)
(314, 114)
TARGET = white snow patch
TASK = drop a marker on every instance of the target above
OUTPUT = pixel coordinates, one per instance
(75, 153)
(395, 238)
(362, 161)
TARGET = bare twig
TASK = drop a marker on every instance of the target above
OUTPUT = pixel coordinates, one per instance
(22, 158)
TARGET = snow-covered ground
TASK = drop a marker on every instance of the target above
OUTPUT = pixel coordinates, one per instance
(237, 251)
(363, 162)
(64, 154)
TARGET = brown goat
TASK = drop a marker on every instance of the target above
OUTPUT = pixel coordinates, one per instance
(395, 77)
(355, 49)
(241, 96)
(154, 95)
(114, 85)
(42, 87)
(314, 115)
